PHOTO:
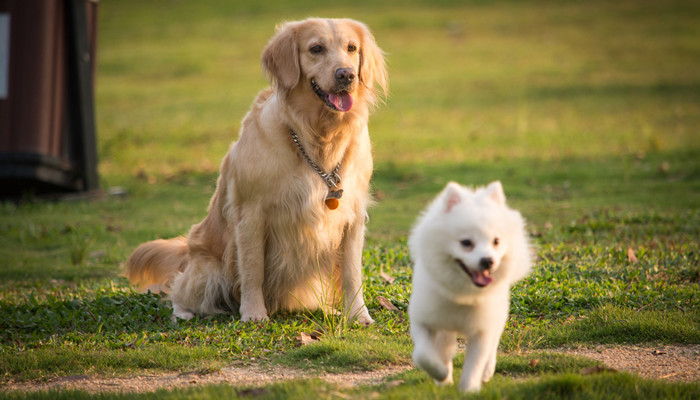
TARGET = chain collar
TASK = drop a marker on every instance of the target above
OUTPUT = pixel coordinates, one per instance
(332, 179)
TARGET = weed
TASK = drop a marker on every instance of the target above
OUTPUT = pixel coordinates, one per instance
(332, 323)
(79, 249)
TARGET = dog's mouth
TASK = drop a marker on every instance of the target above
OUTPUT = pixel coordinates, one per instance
(481, 278)
(341, 101)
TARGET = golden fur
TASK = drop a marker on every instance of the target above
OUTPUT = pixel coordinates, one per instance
(269, 241)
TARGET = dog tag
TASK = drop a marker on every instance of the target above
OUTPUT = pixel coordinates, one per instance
(333, 199)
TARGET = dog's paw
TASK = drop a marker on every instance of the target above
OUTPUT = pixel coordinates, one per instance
(181, 313)
(469, 384)
(363, 317)
(254, 317)
(448, 380)
(253, 314)
(432, 365)
(365, 320)
(252, 307)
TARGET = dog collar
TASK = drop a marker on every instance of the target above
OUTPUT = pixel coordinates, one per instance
(331, 179)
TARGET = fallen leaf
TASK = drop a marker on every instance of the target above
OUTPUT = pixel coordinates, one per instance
(388, 278)
(534, 362)
(386, 304)
(596, 370)
(631, 256)
(316, 334)
(305, 338)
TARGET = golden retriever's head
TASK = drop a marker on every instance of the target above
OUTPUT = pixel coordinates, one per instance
(334, 61)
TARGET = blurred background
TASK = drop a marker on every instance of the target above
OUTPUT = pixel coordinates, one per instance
(558, 99)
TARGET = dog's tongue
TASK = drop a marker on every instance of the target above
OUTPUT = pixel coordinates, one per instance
(342, 102)
(481, 278)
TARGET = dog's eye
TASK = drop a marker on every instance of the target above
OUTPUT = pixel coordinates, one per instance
(352, 48)
(496, 241)
(467, 243)
(317, 49)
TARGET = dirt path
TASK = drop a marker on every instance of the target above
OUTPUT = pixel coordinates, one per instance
(243, 376)
(673, 363)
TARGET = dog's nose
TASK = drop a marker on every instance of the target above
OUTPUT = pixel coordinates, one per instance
(344, 75)
(486, 263)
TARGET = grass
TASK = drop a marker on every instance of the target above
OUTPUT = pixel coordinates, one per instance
(587, 112)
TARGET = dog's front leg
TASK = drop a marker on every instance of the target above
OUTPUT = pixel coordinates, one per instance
(351, 274)
(427, 356)
(479, 352)
(250, 243)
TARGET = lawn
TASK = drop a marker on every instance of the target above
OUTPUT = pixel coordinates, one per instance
(588, 113)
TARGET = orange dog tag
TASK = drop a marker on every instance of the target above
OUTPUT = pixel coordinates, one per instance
(332, 203)
(333, 199)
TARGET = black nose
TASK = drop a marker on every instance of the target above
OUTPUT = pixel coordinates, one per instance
(344, 75)
(486, 262)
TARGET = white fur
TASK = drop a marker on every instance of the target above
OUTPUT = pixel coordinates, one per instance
(445, 300)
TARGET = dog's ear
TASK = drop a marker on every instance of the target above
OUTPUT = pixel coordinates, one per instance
(372, 68)
(452, 195)
(280, 58)
(495, 192)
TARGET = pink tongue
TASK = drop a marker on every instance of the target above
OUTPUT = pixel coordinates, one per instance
(481, 278)
(342, 102)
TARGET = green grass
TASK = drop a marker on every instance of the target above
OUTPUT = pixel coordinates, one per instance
(588, 112)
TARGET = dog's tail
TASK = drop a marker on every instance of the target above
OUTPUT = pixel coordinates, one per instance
(153, 265)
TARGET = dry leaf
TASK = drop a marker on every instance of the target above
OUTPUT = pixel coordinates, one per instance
(316, 334)
(534, 362)
(305, 338)
(386, 304)
(388, 278)
(631, 256)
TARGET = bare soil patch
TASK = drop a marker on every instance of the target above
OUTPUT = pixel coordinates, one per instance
(243, 376)
(680, 363)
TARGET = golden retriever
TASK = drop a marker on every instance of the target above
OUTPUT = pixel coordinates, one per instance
(287, 220)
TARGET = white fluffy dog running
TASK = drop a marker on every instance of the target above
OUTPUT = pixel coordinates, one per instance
(468, 248)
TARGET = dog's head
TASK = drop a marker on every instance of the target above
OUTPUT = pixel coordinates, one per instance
(479, 238)
(333, 61)
(468, 240)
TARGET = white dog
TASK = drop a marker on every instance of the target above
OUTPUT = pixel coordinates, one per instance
(468, 249)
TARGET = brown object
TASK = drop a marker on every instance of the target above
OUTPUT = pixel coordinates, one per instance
(386, 304)
(47, 128)
(332, 203)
